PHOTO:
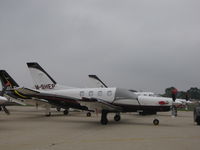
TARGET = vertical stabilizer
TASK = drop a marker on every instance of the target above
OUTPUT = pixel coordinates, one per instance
(42, 80)
(7, 80)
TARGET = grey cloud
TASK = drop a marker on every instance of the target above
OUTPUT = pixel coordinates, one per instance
(147, 45)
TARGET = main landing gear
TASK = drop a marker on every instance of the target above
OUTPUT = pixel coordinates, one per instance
(104, 119)
(66, 112)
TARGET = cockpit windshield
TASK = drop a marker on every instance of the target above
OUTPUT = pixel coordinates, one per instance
(124, 94)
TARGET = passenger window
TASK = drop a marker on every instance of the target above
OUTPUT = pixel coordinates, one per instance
(90, 93)
(100, 93)
(109, 93)
(81, 93)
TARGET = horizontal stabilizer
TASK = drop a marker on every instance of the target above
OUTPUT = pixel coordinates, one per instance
(26, 91)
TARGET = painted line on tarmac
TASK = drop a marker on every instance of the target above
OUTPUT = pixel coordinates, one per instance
(121, 140)
(139, 139)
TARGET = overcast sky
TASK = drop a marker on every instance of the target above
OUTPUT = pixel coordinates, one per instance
(144, 45)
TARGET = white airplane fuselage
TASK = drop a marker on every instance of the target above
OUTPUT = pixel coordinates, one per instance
(115, 96)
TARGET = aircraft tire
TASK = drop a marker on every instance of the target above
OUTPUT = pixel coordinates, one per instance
(156, 122)
(65, 112)
(117, 118)
(88, 114)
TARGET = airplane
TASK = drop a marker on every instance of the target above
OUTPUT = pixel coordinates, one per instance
(38, 101)
(3, 101)
(178, 103)
(104, 100)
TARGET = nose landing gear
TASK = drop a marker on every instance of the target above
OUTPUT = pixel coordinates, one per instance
(156, 122)
(88, 114)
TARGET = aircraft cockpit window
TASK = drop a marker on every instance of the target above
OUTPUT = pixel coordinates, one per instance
(90, 93)
(81, 93)
(109, 93)
(100, 93)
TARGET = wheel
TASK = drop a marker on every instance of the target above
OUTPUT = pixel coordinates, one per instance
(58, 109)
(65, 112)
(117, 118)
(104, 121)
(88, 114)
(156, 122)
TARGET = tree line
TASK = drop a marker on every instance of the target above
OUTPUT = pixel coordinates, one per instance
(192, 93)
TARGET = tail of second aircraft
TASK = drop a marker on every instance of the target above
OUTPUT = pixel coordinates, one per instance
(7, 80)
(42, 80)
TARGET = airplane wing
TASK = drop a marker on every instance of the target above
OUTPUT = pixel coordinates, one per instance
(53, 99)
(26, 92)
(98, 104)
(14, 100)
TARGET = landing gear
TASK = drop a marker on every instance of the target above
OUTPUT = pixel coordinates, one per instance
(156, 122)
(117, 117)
(66, 112)
(104, 119)
(58, 109)
(88, 114)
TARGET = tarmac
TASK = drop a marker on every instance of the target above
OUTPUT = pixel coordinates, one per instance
(26, 128)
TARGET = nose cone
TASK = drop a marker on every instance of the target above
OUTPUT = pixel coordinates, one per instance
(3, 100)
(156, 101)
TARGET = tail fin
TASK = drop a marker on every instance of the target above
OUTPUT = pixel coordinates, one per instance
(42, 80)
(98, 81)
(7, 80)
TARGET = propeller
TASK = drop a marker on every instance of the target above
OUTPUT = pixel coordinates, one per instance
(174, 109)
